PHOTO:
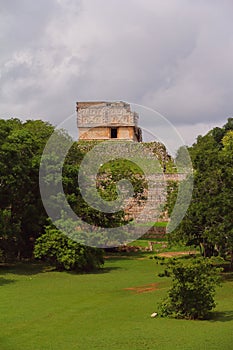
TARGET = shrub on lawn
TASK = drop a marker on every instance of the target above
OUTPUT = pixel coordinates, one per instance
(193, 288)
(66, 254)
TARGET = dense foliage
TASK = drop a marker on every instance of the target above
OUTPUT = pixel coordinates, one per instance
(109, 175)
(66, 254)
(209, 222)
(192, 292)
(22, 216)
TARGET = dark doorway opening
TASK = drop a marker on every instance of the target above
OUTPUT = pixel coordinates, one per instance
(113, 133)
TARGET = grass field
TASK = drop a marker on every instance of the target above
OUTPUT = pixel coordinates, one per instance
(161, 245)
(52, 310)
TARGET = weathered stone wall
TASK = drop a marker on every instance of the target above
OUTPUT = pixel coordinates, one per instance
(155, 201)
(106, 115)
(104, 133)
(153, 232)
(98, 133)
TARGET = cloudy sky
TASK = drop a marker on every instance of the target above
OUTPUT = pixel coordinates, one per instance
(175, 56)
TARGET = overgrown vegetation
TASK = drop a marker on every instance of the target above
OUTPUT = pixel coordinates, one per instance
(208, 223)
(22, 215)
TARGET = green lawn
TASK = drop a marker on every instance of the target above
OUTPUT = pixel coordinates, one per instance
(151, 224)
(161, 245)
(52, 310)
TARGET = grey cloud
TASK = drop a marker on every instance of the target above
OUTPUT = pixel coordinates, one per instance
(175, 57)
(25, 23)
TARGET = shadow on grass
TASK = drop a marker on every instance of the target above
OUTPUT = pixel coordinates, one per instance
(227, 276)
(220, 316)
(101, 271)
(4, 281)
(35, 268)
(127, 255)
(22, 268)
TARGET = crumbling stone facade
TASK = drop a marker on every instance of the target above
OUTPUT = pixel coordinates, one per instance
(107, 120)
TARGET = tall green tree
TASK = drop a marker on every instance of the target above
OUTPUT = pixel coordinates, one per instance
(22, 213)
(208, 222)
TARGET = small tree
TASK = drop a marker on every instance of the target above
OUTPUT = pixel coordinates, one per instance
(193, 288)
(66, 254)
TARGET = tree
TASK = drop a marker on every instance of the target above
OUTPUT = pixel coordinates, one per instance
(108, 176)
(191, 295)
(208, 221)
(66, 254)
(226, 221)
(22, 215)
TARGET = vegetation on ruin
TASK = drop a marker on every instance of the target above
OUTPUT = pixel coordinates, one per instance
(207, 224)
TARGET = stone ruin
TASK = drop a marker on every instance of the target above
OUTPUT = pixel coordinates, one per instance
(107, 120)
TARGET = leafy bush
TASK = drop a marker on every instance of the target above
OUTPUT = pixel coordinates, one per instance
(66, 254)
(193, 287)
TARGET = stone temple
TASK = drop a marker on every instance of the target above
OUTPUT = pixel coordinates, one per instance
(107, 120)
